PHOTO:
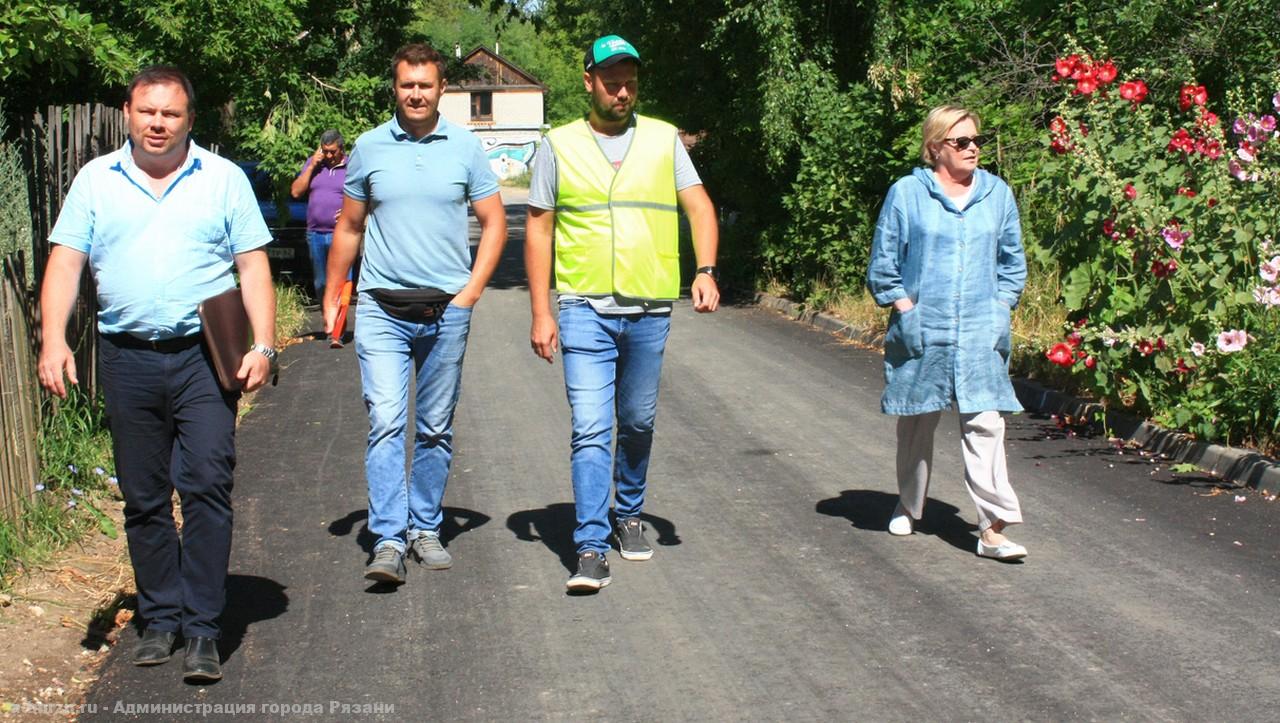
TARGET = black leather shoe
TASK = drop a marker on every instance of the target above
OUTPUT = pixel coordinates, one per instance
(201, 661)
(154, 647)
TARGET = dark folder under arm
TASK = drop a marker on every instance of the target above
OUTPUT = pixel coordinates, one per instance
(225, 325)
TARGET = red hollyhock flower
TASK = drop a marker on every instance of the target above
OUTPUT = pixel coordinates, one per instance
(1208, 119)
(1184, 191)
(1108, 227)
(1058, 126)
(1064, 67)
(1082, 322)
(1134, 90)
(1059, 146)
(1192, 95)
(1086, 86)
(1181, 141)
(1182, 367)
(1060, 354)
(1160, 345)
(1130, 192)
(1211, 149)
(1212, 202)
(1105, 72)
(1131, 232)
(1090, 362)
(1145, 348)
(1074, 339)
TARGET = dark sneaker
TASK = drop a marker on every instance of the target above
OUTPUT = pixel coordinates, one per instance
(631, 542)
(427, 548)
(387, 565)
(592, 574)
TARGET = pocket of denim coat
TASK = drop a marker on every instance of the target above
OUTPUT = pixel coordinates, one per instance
(1003, 323)
(904, 337)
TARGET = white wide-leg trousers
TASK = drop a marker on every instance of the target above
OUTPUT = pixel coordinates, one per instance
(985, 472)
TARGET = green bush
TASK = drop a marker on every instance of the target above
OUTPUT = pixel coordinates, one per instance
(1169, 273)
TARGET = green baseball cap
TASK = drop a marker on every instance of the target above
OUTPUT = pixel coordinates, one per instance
(609, 50)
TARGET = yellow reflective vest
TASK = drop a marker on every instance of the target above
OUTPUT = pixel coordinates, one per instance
(617, 231)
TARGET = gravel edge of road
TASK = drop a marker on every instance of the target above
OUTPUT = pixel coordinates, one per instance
(1240, 466)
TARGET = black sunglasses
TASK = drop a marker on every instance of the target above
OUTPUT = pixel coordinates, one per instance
(963, 142)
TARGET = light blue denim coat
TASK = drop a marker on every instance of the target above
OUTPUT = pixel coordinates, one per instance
(964, 270)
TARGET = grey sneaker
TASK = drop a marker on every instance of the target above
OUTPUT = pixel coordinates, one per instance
(592, 574)
(631, 542)
(387, 565)
(427, 548)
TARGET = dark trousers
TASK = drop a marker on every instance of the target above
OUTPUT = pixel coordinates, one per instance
(172, 426)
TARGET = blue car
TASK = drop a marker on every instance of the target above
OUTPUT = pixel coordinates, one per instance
(290, 260)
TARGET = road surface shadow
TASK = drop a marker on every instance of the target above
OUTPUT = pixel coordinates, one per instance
(553, 525)
(250, 599)
(457, 520)
(870, 510)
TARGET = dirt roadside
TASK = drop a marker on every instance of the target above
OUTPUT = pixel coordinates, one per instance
(59, 619)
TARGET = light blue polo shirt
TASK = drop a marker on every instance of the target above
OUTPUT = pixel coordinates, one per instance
(417, 191)
(154, 259)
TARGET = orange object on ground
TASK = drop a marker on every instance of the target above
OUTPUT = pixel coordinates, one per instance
(340, 323)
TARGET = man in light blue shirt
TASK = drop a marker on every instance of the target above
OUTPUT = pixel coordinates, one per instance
(162, 223)
(411, 179)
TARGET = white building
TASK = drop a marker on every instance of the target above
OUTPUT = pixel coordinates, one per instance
(504, 106)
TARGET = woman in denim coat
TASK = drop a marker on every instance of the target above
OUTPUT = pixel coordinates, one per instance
(947, 255)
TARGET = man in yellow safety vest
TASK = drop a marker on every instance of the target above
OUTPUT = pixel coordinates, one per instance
(607, 189)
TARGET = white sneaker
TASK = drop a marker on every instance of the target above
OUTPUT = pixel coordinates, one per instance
(1007, 550)
(900, 524)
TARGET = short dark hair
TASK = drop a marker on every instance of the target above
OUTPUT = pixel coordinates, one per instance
(417, 54)
(160, 75)
(330, 137)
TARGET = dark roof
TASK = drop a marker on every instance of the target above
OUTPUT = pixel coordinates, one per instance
(496, 73)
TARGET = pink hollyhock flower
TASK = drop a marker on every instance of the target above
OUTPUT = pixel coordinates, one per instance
(1232, 341)
(1245, 152)
(1267, 295)
(1241, 126)
(1267, 124)
(1197, 348)
(1270, 270)
(1174, 236)
(1275, 102)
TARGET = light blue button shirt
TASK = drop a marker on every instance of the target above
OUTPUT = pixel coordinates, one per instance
(417, 191)
(155, 258)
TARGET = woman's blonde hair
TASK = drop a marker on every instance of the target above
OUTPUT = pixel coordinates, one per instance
(937, 123)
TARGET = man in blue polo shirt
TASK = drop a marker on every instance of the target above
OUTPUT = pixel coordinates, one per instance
(162, 223)
(411, 179)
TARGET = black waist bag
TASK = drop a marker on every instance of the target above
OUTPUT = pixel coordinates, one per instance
(417, 305)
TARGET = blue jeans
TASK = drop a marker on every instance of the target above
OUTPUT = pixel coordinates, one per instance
(388, 349)
(612, 365)
(318, 243)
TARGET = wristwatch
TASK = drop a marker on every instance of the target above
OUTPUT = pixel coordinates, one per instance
(266, 351)
(711, 271)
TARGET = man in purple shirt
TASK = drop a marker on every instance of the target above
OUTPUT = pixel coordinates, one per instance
(320, 181)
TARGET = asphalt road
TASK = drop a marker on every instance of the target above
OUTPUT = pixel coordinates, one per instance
(774, 593)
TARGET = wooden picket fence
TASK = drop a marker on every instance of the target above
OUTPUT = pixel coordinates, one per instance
(19, 400)
(55, 144)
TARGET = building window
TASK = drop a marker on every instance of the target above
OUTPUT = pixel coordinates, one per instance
(482, 106)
